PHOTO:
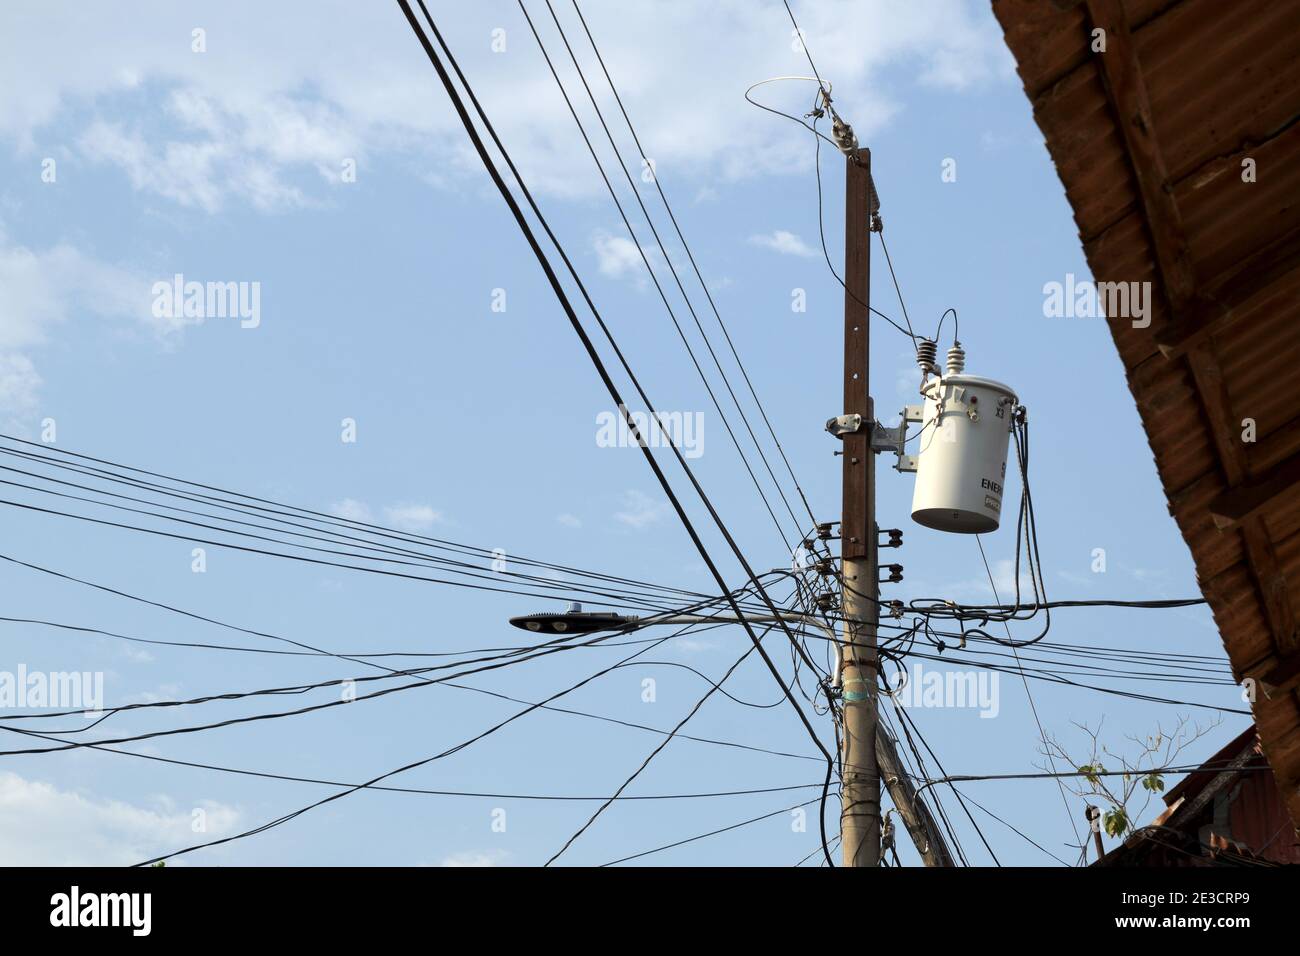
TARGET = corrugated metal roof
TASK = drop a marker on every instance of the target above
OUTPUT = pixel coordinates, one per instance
(1152, 138)
(1229, 813)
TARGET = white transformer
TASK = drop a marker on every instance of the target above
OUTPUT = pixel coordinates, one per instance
(961, 461)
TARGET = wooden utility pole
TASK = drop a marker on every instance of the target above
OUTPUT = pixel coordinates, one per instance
(860, 817)
(916, 816)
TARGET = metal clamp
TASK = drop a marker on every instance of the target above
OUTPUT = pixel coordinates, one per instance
(844, 425)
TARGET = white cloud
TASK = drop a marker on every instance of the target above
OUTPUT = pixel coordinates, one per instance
(477, 858)
(404, 517)
(408, 517)
(19, 390)
(349, 509)
(568, 520)
(907, 381)
(692, 646)
(640, 511)
(618, 257)
(227, 150)
(1004, 580)
(44, 289)
(246, 118)
(41, 825)
(786, 243)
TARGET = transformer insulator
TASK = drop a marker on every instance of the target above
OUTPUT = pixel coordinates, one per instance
(956, 359)
(927, 357)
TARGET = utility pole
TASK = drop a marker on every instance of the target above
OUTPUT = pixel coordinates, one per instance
(916, 816)
(1093, 816)
(860, 817)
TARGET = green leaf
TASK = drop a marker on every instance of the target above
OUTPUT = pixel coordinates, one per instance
(1090, 772)
(1116, 821)
(1154, 782)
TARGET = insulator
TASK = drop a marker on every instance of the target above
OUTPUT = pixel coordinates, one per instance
(926, 357)
(956, 360)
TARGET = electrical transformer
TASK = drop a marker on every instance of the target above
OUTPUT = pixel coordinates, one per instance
(961, 461)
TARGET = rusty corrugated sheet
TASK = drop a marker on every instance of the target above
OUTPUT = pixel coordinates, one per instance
(1149, 139)
(1257, 819)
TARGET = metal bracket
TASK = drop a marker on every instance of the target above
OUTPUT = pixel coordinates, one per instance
(895, 439)
(888, 439)
(844, 425)
(895, 537)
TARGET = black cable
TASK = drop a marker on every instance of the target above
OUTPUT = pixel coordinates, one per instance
(561, 587)
(714, 684)
(1033, 707)
(465, 687)
(714, 688)
(650, 270)
(288, 778)
(496, 664)
(806, 52)
(589, 347)
(691, 258)
(320, 517)
(880, 233)
(821, 231)
(391, 773)
(704, 836)
(908, 721)
(956, 332)
(921, 773)
(978, 806)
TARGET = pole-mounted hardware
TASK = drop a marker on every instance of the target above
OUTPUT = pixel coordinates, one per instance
(843, 425)
(825, 567)
(895, 439)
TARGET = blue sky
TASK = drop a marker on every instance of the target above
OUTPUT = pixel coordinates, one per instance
(480, 426)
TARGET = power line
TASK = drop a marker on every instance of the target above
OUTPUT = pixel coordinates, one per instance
(1028, 839)
(1033, 708)
(704, 286)
(592, 354)
(705, 836)
(715, 687)
(650, 270)
(288, 778)
(280, 510)
(638, 596)
(278, 821)
(465, 687)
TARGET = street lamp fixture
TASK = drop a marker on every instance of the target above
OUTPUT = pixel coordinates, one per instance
(572, 621)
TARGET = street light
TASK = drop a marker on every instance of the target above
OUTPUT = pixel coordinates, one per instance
(916, 815)
(575, 620)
